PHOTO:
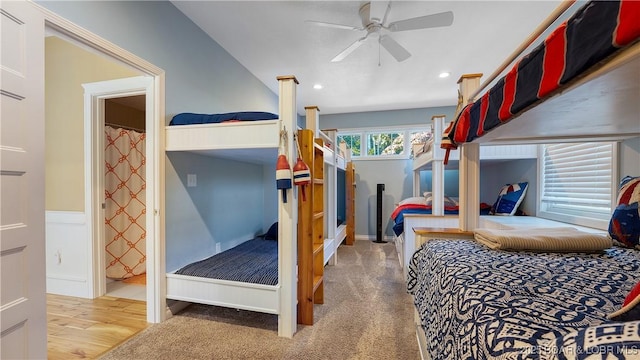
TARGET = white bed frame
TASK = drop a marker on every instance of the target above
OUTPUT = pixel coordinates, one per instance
(600, 106)
(241, 140)
(334, 159)
(433, 160)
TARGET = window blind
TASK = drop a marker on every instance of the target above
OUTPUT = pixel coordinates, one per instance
(577, 179)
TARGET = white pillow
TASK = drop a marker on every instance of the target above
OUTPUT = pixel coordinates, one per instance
(416, 200)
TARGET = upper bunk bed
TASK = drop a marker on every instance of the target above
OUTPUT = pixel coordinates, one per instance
(436, 159)
(580, 83)
(248, 137)
(336, 158)
(432, 152)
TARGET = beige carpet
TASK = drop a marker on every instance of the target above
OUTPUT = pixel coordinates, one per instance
(367, 314)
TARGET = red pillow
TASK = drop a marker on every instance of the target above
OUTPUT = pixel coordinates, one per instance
(630, 310)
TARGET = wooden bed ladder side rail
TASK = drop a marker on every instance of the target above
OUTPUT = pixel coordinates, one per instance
(287, 215)
(305, 236)
(350, 179)
(311, 229)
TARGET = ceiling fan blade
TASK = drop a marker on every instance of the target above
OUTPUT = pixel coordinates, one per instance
(394, 48)
(335, 26)
(379, 10)
(349, 49)
(423, 22)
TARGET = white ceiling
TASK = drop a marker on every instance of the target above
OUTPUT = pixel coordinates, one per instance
(271, 38)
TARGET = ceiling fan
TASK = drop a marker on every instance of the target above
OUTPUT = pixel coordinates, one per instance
(374, 16)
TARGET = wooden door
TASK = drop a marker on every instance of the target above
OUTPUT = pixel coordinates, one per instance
(22, 236)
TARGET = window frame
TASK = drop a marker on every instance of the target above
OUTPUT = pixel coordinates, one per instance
(406, 132)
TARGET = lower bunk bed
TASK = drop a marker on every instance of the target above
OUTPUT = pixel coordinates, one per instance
(474, 302)
(243, 277)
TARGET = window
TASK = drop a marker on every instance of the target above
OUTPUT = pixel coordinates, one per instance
(383, 144)
(353, 142)
(387, 143)
(577, 183)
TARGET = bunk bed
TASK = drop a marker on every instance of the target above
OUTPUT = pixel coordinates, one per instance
(545, 304)
(249, 138)
(337, 161)
(435, 208)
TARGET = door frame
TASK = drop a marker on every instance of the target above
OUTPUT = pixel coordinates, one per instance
(156, 280)
(95, 95)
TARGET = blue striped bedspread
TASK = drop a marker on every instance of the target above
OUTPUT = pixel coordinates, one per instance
(254, 261)
(479, 303)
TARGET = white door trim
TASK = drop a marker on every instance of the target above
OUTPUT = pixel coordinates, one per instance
(95, 95)
(156, 280)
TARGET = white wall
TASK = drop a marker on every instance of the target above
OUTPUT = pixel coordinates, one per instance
(630, 157)
(66, 254)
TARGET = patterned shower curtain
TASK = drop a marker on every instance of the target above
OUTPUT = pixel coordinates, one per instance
(125, 230)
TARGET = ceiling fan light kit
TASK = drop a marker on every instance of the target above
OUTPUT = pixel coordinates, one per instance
(374, 24)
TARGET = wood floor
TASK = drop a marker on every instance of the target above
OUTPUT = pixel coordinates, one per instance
(85, 328)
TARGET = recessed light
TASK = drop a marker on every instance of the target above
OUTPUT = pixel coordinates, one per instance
(444, 75)
(317, 86)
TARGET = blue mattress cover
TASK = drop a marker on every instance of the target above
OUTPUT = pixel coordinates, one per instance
(192, 118)
(254, 261)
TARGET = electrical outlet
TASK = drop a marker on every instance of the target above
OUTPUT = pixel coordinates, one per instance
(192, 180)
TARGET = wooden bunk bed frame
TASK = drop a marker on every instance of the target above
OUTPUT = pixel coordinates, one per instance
(224, 140)
(599, 105)
(311, 238)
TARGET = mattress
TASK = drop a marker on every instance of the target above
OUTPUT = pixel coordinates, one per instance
(478, 303)
(254, 261)
(192, 118)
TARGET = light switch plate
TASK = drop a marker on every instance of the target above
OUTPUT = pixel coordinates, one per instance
(192, 180)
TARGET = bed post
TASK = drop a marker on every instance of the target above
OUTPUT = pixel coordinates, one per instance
(313, 119)
(469, 164)
(288, 215)
(437, 170)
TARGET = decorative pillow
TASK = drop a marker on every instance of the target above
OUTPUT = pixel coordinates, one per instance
(624, 226)
(510, 197)
(416, 200)
(272, 233)
(630, 310)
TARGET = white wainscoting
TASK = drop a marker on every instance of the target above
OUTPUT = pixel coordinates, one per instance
(66, 253)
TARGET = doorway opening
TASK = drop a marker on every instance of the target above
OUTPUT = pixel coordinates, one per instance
(125, 194)
(153, 90)
(116, 116)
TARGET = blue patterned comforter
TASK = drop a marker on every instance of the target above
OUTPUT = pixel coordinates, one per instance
(254, 261)
(478, 303)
